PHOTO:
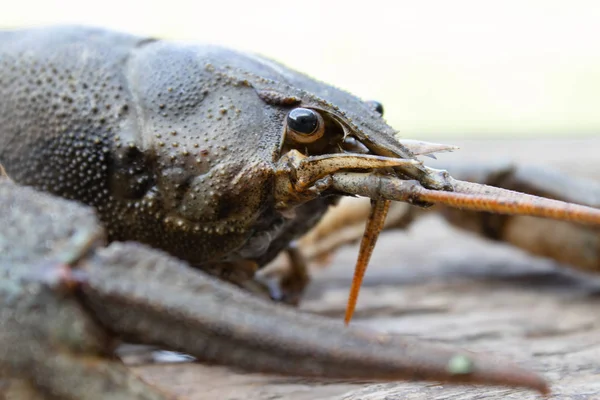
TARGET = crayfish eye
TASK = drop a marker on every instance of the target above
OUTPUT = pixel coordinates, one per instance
(304, 125)
(377, 106)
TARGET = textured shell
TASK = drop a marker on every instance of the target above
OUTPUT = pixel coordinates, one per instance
(173, 143)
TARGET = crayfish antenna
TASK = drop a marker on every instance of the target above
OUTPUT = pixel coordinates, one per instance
(478, 197)
(379, 210)
(465, 196)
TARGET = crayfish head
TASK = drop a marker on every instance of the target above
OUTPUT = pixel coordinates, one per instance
(321, 142)
(352, 151)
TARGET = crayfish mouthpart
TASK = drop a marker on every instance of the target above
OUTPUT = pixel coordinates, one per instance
(301, 178)
(308, 170)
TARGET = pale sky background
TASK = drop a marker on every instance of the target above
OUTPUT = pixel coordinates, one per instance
(440, 68)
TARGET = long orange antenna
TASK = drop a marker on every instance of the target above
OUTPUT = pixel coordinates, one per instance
(466, 196)
(477, 197)
(379, 210)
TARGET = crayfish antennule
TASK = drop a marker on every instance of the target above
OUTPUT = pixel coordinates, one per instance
(419, 148)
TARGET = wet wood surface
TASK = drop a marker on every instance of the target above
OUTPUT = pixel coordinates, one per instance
(438, 284)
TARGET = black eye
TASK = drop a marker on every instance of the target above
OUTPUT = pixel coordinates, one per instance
(304, 125)
(303, 120)
(377, 106)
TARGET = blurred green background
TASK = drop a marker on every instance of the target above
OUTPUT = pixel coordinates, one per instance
(441, 68)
